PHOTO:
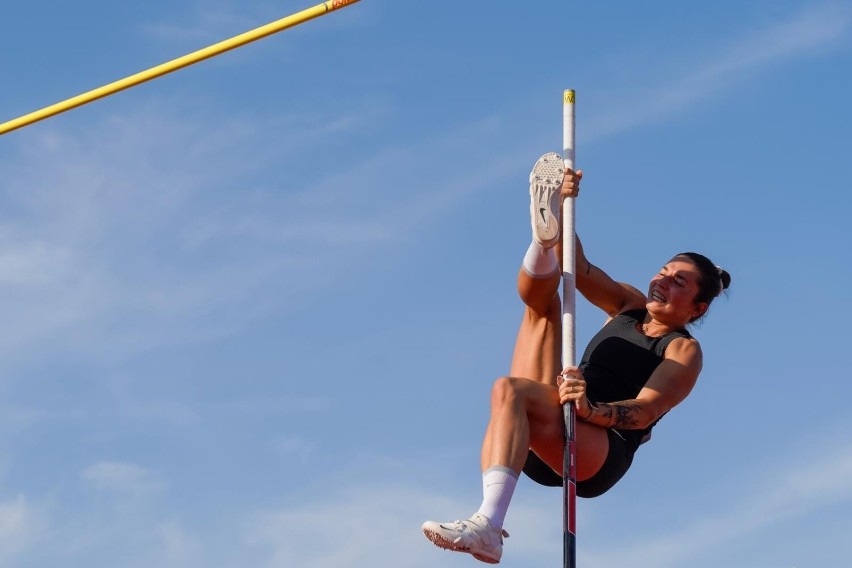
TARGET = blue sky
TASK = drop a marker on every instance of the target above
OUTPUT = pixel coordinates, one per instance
(252, 310)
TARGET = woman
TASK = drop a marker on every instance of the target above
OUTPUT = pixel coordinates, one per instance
(638, 367)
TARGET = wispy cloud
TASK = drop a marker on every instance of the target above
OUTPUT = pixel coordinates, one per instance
(178, 548)
(371, 527)
(773, 500)
(151, 229)
(110, 232)
(724, 65)
(124, 478)
(211, 22)
(21, 526)
(277, 537)
(218, 20)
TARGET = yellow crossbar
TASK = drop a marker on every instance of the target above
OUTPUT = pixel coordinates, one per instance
(175, 64)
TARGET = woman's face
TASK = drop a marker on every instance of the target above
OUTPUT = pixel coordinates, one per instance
(672, 292)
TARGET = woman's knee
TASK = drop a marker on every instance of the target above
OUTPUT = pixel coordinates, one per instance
(538, 293)
(549, 309)
(535, 397)
(505, 390)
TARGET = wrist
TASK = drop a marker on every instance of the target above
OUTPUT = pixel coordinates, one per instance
(591, 410)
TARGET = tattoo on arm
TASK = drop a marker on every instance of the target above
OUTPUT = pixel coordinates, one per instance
(628, 415)
(623, 415)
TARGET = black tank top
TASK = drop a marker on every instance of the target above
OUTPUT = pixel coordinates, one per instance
(619, 361)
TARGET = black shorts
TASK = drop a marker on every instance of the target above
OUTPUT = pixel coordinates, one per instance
(617, 462)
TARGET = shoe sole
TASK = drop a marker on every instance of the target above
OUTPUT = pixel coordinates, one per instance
(441, 542)
(545, 182)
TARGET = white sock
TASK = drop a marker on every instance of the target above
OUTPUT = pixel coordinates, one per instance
(498, 485)
(540, 262)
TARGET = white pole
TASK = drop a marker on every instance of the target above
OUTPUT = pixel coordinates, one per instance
(568, 250)
(569, 465)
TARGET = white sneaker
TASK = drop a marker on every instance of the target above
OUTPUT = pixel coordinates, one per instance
(545, 201)
(475, 536)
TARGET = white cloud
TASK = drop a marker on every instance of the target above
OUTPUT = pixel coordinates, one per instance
(100, 238)
(356, 523)
(178, 547)
(298, 448)
(780, 496)
(15, 419)
(356, 527)
(167, 412)
(151, 230)
(124, 478)
(212, 22)
(20, 529)
(816, 28)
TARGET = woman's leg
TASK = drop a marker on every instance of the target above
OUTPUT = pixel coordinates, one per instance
(536, 358)
(526, 414)
(539, 339)
(525, 409)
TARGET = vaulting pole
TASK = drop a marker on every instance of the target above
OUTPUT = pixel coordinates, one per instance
(175, 64)
(569, 456)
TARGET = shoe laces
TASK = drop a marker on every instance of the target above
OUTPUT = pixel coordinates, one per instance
(458, 525)
(471, 525)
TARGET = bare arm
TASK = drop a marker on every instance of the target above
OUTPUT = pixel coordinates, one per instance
(601, 290)
(668, 386)
(592, 282)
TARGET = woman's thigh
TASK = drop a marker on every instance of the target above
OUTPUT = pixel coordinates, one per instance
(546, 429)
(591, 443)
(538, 345)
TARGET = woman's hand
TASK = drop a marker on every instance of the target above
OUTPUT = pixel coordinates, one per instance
(571, 183)
(572, 388)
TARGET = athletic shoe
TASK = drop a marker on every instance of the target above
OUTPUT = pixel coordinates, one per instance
(475, 536)
(545, 201)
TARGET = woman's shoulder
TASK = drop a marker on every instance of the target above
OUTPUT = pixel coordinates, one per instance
(684, 348)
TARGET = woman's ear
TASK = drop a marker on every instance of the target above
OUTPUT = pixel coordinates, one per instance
(700, 310)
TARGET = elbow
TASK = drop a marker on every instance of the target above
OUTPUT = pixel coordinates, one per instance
(647, 422)
(645, 414)
(651, 415)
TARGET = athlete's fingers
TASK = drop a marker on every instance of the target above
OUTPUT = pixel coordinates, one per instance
(566, 396)
(571, 390)
(572, 373)
(570, 386)
(570, 184)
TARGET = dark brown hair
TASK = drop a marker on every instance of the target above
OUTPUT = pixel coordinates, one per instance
(713, 279)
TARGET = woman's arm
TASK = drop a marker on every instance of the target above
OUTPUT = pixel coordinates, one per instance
(601, 290)
(669, 384)
(592, 282)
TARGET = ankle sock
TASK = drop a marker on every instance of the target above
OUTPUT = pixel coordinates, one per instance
(540, 262)
(498, 485)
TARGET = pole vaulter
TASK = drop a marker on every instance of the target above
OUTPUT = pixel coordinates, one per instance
(579, 428)
(175, 64)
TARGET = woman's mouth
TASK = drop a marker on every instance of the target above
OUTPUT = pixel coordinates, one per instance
(657, 297)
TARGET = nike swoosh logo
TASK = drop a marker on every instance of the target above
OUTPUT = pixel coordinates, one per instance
(543, 216)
